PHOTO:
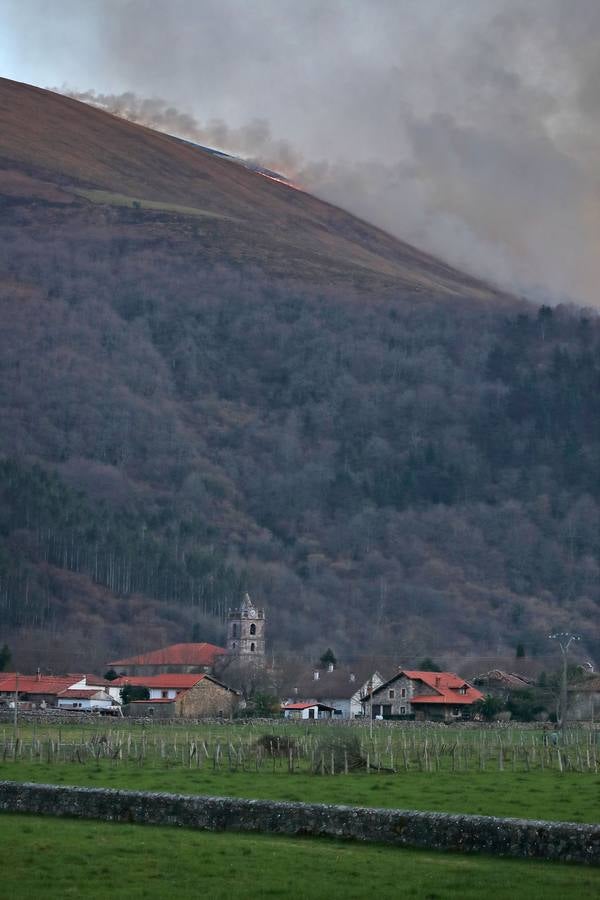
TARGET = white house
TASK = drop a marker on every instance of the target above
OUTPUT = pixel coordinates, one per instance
(307, 710)
(84, 699)
(160, 687)
(94, 682)
(340, 688)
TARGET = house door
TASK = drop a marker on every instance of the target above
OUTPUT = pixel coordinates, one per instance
(311, 714)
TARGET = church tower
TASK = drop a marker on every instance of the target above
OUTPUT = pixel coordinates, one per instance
(246, 632)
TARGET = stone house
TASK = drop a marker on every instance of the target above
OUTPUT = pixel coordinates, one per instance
(412, 694)
(206, 698)
(584, 700)
(160, 687)
(501, 684)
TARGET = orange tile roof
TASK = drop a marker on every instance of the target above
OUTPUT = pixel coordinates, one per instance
(202, 654)
(34, 684)
(445, 684)
(168, 680)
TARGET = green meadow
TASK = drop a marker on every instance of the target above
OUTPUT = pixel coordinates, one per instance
(61, 859)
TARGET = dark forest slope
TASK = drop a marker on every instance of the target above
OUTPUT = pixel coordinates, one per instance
(211, 381)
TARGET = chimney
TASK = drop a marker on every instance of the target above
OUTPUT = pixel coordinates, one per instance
(38, 674)
(437, 680)
(316, 675)
(330, 667)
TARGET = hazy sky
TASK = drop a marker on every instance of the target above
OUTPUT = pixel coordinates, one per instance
(469, 127)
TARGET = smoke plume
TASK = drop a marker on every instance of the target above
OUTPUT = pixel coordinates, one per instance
(470, 129)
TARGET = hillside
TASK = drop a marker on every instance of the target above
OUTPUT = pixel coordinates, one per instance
(210, 380)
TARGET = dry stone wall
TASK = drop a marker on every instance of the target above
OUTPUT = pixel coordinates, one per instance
(519, 838)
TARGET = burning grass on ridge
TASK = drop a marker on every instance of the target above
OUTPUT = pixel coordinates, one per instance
(114, 199)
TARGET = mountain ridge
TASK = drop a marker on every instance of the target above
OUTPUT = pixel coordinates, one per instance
(273, 396)
(102, 151)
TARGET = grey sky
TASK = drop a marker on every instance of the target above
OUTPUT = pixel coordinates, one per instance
(470, 127)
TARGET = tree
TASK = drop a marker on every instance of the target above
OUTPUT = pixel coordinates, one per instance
(5, 658)
(489, 707)
(264, 705)
(520, 651)
(111, 674)
(328, 659)
(134, 692)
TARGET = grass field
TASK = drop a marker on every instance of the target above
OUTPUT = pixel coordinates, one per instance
(490, 772)
(61, 859)
(535, 795)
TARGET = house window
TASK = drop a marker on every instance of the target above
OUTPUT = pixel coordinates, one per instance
(403, 692)
(234, 630)
(252, 647)
(462, 690)
(164, 694)
(253, 628)
(391, 693)
(402, 710)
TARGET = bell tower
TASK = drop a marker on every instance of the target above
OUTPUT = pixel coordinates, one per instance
(246, 632)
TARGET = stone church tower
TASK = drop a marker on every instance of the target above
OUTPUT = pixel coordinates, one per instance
(246, 632)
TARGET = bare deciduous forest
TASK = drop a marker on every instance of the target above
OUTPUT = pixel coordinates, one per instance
(387, 472)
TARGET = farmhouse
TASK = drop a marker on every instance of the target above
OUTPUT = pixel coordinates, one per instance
(340, 688)
(181, 658)
(309, 709)
(36, 690)
(181, 696)
(421, 695)
(501, 684)
(83, 699)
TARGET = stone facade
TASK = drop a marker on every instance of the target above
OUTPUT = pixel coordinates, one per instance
(207, 698)
(520, 838)
(408, 694)
(584, 701)
(395, 697)
(246, 632)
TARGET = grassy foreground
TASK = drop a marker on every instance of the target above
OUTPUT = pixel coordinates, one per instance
(60, 859)
(535, 795)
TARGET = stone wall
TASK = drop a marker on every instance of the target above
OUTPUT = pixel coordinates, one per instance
(519, 838)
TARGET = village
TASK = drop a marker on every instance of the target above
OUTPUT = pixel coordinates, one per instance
(196, 681)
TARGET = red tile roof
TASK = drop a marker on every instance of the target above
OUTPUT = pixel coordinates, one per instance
(175, 655)
(37, 684)
(168, 680)
(445, 684)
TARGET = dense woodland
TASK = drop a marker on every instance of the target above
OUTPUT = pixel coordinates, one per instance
(386, 471)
